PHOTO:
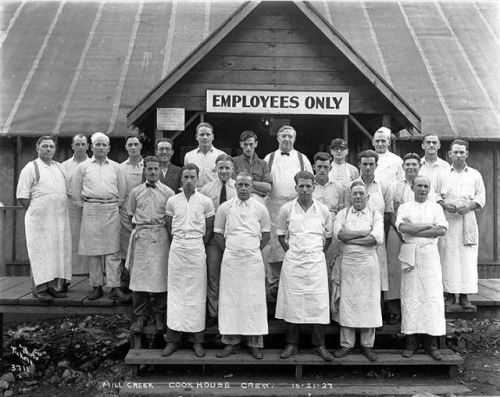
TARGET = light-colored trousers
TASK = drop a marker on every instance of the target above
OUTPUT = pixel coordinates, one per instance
(112, 264)
(348, 337)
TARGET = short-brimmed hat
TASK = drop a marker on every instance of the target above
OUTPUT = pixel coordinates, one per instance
(338, 143)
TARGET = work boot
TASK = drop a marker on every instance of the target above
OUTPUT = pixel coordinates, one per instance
(369, 353)
(289, 351)
(257, 353)
(55, 294)
(138, 326)
(463, 300)
(117, 294)
(323, 353)
(449, 299)
(62, 285)
(159, 323)
(170, 349)
(199, 351)
(407, 353)
(96, 294)
(342, 352)
(435, 355)
(227, 351)
(42, 296)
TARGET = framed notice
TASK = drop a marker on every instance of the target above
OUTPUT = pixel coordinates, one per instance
(278, 102)
(170, 119)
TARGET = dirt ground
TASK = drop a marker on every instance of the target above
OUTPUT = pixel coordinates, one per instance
(83, 356)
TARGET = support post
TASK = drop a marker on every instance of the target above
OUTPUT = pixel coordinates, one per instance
(361, 127)
(3, 266)
(345, 129)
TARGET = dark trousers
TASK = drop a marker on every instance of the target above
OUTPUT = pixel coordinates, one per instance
(318, 334)
(146, 302)
(429, 342)
(175, 336)
(393, 306)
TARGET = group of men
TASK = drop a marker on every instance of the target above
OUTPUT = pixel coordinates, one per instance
(206, 243)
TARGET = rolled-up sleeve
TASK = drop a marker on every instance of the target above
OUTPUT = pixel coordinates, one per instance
(282, 220)
(76, 194)
(220, 218)
(208, 208)
(480, 196)
(264, 219)
(338, 223)
(26, 178)
(378, 228)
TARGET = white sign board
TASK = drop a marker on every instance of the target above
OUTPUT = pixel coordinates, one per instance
(170, 119)
(278, 102)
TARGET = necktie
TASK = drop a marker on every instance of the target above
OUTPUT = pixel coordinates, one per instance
(151, 185)
(285, 153)
(223, 193)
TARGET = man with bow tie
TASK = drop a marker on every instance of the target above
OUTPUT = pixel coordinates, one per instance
(148, 248)
(283, 163)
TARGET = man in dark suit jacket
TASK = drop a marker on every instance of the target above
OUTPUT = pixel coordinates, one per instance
(170, 174)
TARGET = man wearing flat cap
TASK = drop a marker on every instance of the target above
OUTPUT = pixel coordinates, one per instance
(341, 172)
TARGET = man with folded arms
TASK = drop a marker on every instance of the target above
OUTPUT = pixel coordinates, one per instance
(361, 229)
(242, 228)
(303, 292)
(190, 222)
(421, 221)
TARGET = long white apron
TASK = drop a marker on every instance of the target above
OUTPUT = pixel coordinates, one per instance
(273, 252)
(147, 258)
(393, 265)
(79, 263)
(187, 285)
(422, 304)
(242, 293)
(303, 289)
(100, 233)
(377, 202)
(48, 237)
(459, 261)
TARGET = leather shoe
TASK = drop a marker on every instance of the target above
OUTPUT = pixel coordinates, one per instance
(117, 294)
(96, 294)
(62, 286)
(55, 294)
(369, 353)
(257, 353)
(407, 353)
(342, 352)
(289, 351)
(227, 351)
(464, 301)
(42, 296)
(199, 351)
(323, 353)
(435, 355)
(170, 349)
(450, 299)
(138, 326)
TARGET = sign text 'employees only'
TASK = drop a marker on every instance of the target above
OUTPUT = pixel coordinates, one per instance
(278, 102)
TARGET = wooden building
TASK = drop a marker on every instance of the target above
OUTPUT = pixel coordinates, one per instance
(417, 67)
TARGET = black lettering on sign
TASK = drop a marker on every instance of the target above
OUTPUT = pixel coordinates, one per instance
(236, 100)
(294, 102)
(225, 101)
(274, 101)
(309, 102)
(254, 101)
(216, 100)
(320, 102)
(264, 100)
(337, 101)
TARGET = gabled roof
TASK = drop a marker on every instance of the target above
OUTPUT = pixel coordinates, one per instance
(71, 67)
(150, 99)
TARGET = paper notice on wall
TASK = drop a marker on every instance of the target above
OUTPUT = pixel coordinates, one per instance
(170, 119)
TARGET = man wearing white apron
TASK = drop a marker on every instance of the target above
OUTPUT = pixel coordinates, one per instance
(401, 192)
(361, 229)
(421, 221)
(99, 186)
(461, 193)
(303, 291)
(79, 263)
(42, 191)
(219, 191)
(242, 228)
(190, 221)
(147, 258)
(379, 199)
(249, 162)
(341, 172)
(388, 164)
(283, 164)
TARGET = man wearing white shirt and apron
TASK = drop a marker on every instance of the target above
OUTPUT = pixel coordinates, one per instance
(283, 163)
(190, 221)
(361, 229)
(42, 191)
(421, 221)
(242, 228)
(303, 292)
(432, 165)
(389, 164)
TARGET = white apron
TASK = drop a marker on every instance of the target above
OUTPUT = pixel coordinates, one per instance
(273, 252)
(303, 287)
(359, 305)
(100, 233)
(147, 258)
(422, 304)
(187, 285)
(242, 293)
(377, 202)
(48, 237)
(80, 263)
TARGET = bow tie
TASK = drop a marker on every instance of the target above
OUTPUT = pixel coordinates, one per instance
(151, 185)
(285, 153)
